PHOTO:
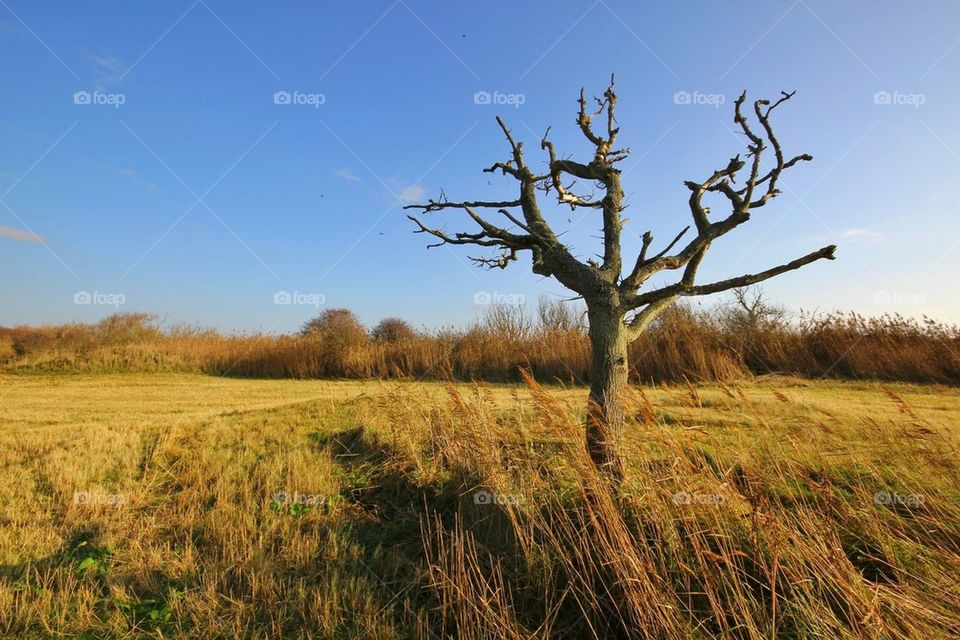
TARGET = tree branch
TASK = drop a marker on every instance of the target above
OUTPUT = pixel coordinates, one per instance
(489, 236)
(689, 289)
(602, 284)
(631, 282)
(435, 205)
(573, 168)
(721, 181)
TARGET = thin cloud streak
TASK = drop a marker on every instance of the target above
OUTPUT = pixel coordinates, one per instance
(20, 235)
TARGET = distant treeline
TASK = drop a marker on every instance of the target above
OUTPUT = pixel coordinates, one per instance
(745, 338)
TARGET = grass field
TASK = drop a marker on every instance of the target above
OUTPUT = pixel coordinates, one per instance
(181, 505)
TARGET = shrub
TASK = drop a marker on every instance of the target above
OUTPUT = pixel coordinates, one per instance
(393, 330)
(338, 325)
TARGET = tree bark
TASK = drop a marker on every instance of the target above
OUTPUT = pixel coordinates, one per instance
(605, 411)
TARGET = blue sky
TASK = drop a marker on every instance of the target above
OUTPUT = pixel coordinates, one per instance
(179, 186)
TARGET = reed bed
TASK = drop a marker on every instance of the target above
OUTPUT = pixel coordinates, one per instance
(682, 345)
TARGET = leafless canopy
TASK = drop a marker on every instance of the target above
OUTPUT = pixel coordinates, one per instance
(523, 227)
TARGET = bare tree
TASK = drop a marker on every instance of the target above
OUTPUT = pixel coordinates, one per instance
(559, 315)
(617, 311)
(751, 324)
(750, 311)
(508, 322)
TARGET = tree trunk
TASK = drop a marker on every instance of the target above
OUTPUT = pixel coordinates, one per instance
(608, 381)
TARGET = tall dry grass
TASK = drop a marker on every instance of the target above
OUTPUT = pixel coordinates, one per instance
(683, 344)
(756, 536)
(759, 510)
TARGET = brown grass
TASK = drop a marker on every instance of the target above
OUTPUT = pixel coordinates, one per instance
(780, 508)
(682, 345)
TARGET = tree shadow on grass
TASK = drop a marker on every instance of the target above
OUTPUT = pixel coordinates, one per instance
(80, 552)
(85, 557)
(388, 509)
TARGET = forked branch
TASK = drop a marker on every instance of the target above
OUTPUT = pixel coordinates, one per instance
(523, 227)
(741, 202)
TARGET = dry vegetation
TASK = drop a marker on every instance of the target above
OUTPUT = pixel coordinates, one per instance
(774, 508)
(140, 498)
(728, 343)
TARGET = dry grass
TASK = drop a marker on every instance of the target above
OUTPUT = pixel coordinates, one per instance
(778, 508)
(682, 345)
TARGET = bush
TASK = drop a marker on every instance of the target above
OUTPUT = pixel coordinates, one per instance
(340, 326)
(393, 330)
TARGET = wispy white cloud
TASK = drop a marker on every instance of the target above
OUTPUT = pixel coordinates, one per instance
(134, 175)
(109, 70)
(406, 192)
(413, 193)
(862, 235)
(20, 235)
(347, 175)
(853, 235)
